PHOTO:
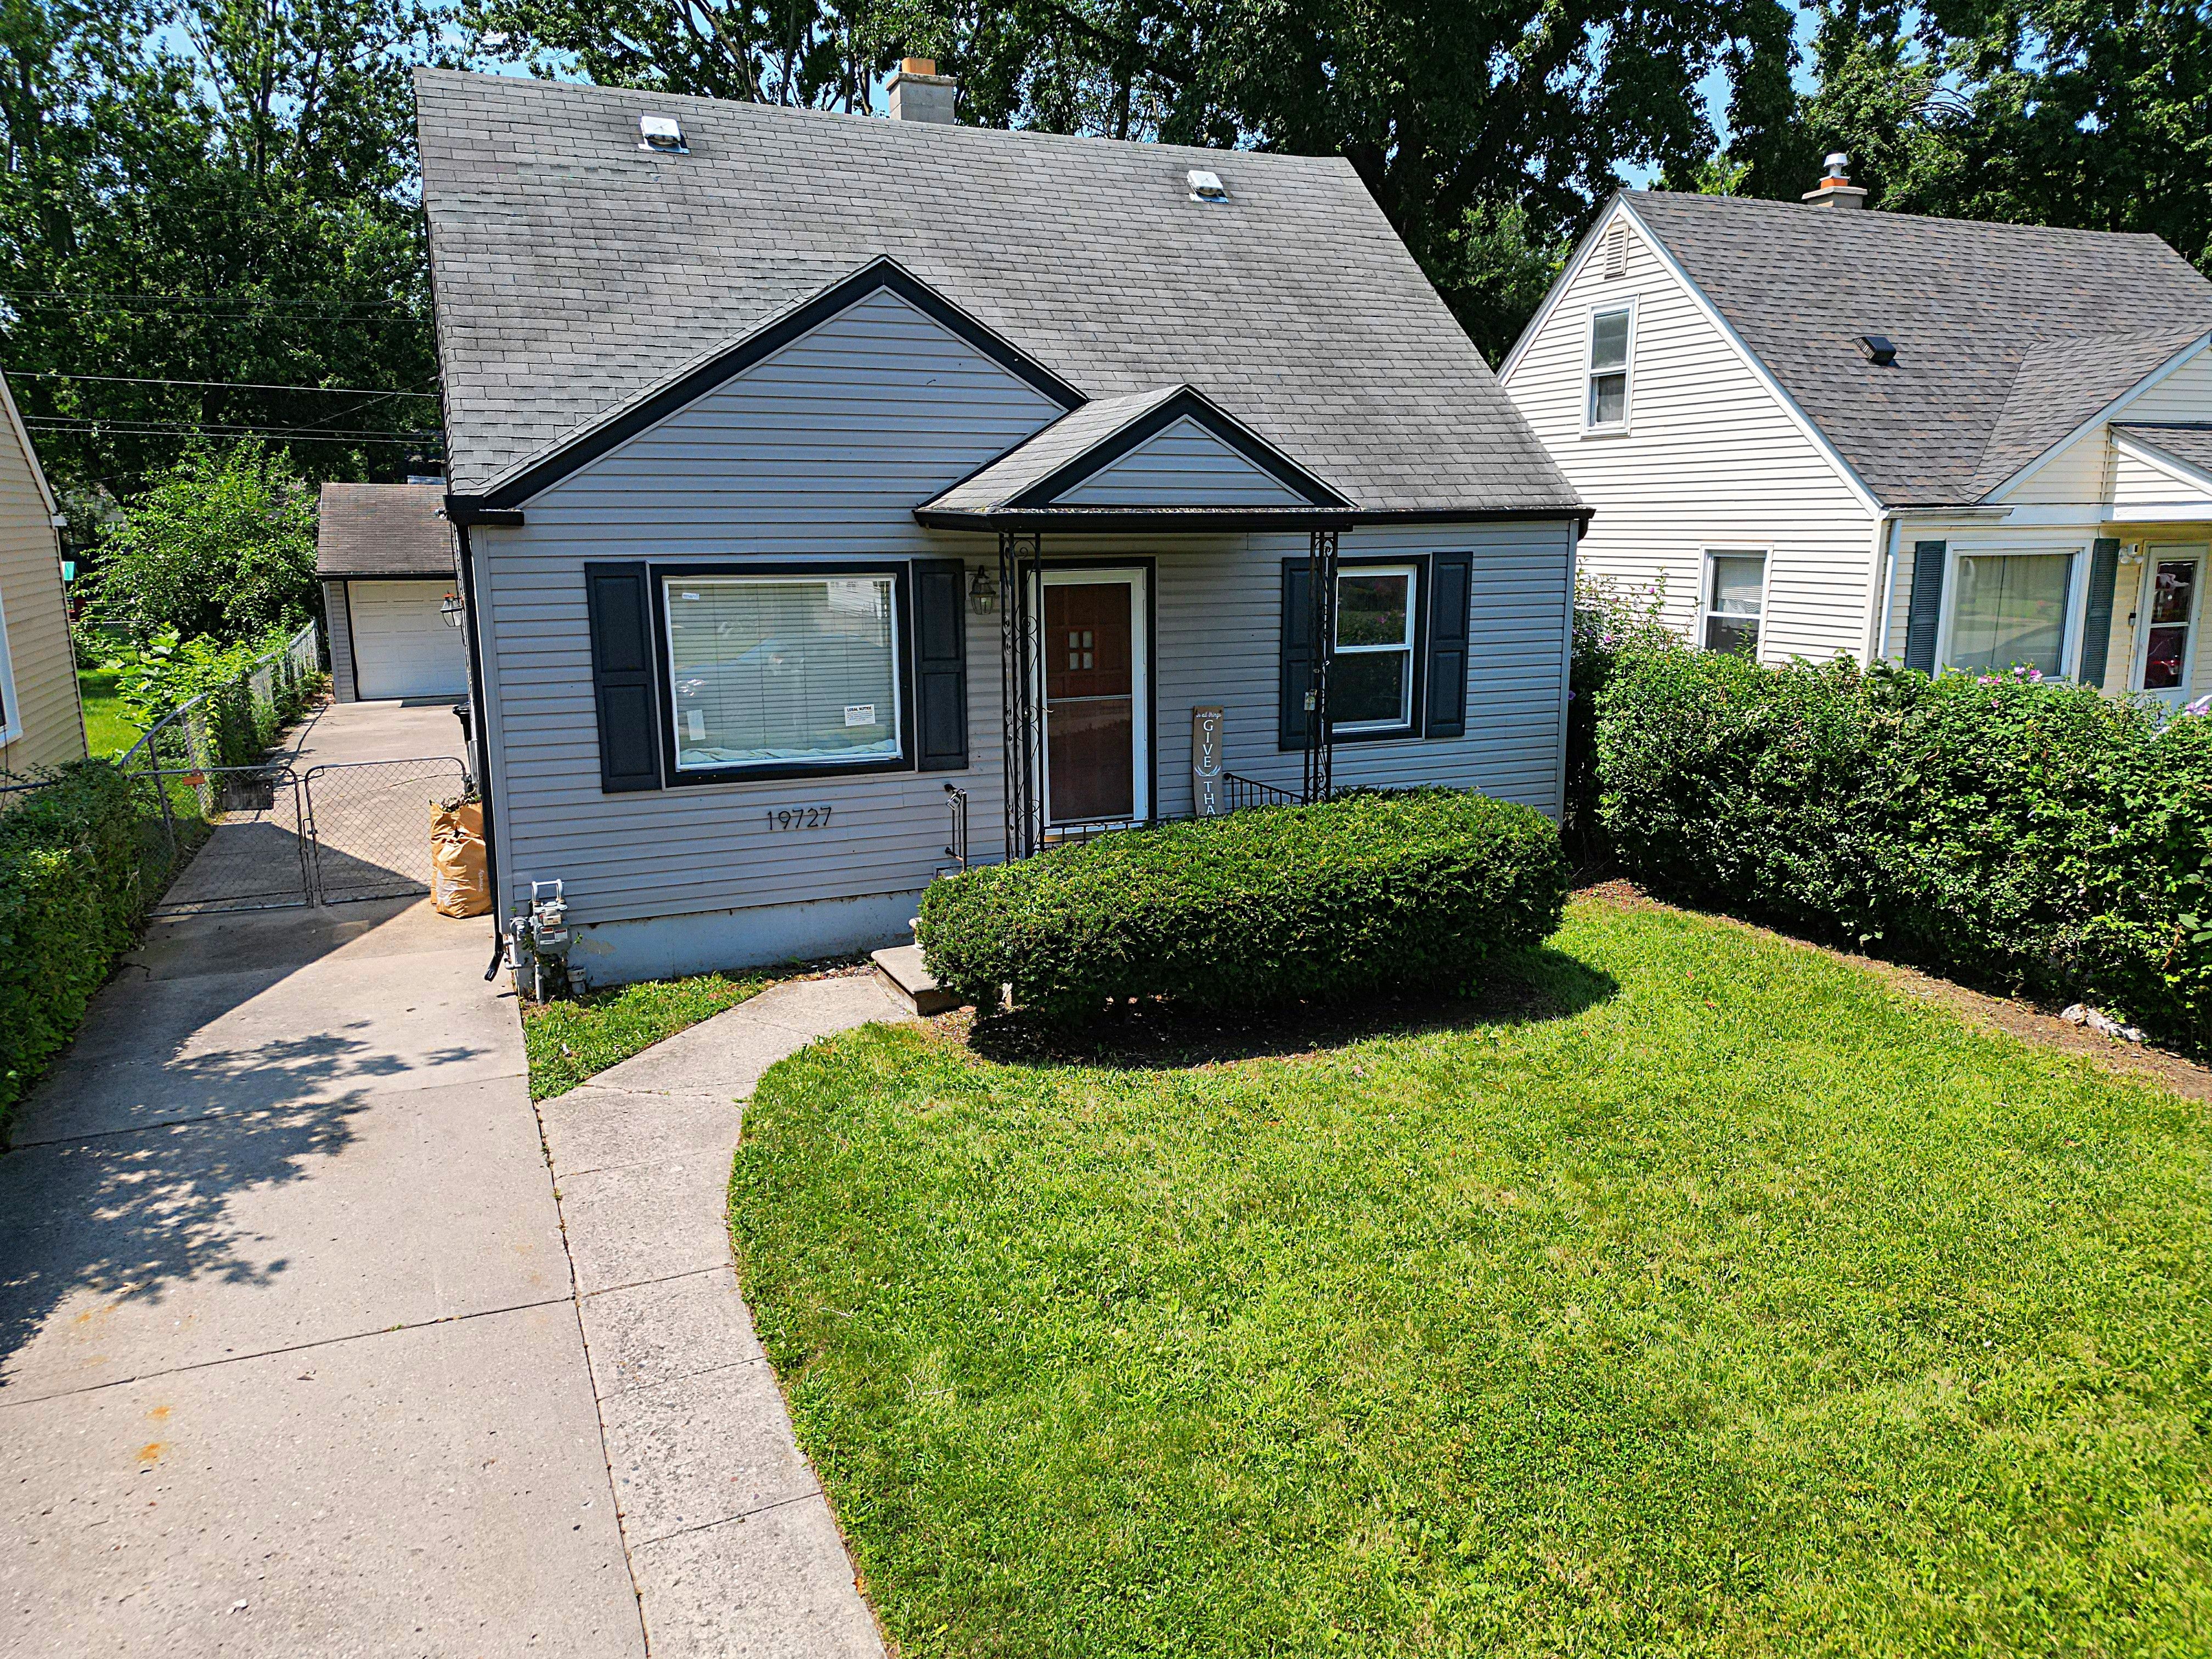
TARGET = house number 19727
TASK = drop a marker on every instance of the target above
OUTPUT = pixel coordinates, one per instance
(798, 817)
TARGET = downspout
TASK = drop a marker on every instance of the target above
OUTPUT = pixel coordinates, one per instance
(480, 733)
(1885, 533)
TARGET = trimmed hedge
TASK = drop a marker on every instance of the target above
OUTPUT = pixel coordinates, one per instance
(2038, 837)
(70, 891)
(1368, 894)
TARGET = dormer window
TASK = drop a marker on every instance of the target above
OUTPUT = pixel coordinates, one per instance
(1611, 340)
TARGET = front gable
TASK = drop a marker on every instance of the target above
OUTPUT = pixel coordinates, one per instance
(1182, 465)
(2162, 473)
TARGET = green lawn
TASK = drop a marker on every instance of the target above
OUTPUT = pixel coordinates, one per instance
(1701, 1296)
(108, 732)
(568, 1041)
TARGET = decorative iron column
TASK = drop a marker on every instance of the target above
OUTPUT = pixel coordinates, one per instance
(1019, 552)
(1321, 583)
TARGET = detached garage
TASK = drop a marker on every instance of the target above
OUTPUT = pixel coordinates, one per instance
(386, 557)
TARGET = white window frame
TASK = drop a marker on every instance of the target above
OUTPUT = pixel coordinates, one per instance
(1705, 611)
(1405, 726)
(11, 715)
(1612, 429)
(2172, 553)
(2069, 650)
(737, 771)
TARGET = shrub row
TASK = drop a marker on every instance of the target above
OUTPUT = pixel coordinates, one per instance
(1372, 894)
(72, 889)
(2036, 837)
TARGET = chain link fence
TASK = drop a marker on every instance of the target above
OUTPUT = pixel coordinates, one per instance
(368, 825)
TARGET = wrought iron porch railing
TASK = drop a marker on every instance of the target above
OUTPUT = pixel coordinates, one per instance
(1239, 792)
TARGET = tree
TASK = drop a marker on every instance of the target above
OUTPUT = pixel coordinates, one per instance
(222, 548)
(2091, 113)
(219, 192)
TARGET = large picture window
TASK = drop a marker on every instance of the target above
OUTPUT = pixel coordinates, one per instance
(1370, 676)
(783, 670)
(2011, 612)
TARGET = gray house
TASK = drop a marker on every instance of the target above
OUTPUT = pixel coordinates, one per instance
(841, 498)
(384, 556)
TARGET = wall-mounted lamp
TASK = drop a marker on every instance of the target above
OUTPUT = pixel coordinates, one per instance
(450, 608)
(982, 592)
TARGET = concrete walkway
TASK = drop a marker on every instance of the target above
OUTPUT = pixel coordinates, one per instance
(300, 1354)
(289, 1358)
(732, 1542)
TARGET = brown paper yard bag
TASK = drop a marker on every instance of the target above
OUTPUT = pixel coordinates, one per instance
(457, 882)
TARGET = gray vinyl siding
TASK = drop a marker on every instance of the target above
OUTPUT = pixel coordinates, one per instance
(339, 619)
(820, 453)
(1182, 465)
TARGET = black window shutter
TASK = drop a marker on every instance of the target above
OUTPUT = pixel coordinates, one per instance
(940, 665)
(2097, 626)
(1927, 611)
(620, 608)
(1297, 653)
(1451, 582)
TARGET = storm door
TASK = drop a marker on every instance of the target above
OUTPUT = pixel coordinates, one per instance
(1096, 713)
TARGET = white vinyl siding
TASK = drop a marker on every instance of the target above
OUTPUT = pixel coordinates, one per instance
(1182, 464)
(1712, 459)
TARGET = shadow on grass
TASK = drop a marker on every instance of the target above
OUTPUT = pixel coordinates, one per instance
(1535, 986)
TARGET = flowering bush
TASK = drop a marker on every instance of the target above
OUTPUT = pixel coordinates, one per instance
(2026, 834)
(1610, 626)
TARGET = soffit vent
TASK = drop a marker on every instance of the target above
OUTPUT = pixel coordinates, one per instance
(1616, 252)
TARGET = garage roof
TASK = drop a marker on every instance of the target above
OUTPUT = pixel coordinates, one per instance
(383, 529)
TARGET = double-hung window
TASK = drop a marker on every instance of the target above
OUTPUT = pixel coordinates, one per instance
(1372, 670)
(788, 672)
(1735, 599)
(2010, 612)
(1612, 340)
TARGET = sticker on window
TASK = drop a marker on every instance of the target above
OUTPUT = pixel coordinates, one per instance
(695, 723)
(860, 714)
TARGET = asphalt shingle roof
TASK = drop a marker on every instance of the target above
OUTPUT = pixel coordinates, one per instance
(574, 273)
(382, 530)
(1038, 459)
(2009, 336)
(2191, 445)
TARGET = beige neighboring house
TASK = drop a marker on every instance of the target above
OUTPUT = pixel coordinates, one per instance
(41, 719)
(1831, 430)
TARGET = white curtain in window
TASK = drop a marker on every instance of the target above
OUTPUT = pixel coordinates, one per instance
(2011, 612)
(782, 668)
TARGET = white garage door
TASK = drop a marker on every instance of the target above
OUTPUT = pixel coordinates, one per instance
(402, 646)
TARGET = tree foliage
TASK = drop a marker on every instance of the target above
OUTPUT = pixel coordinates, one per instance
(218, 191)
(223, 548)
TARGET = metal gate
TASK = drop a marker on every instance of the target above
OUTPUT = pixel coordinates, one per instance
(241, 830)
(368, 825)
(265, 837)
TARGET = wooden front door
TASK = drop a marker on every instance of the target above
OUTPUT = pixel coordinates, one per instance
(1094, 715)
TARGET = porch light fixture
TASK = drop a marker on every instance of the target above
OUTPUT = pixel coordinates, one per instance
(450, 608)
(662, 133)
(982, 592)
(1877, 349)
(1207, 187)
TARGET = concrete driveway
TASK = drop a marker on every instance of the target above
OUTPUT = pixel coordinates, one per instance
(290, 1361)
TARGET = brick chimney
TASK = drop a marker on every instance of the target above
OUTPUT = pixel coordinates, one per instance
(919, 92)
(1836, 191)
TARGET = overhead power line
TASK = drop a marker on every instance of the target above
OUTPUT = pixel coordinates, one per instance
(185, 430)
(58, 299)
(230, 386)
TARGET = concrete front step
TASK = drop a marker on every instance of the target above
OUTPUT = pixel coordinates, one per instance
(901, 970)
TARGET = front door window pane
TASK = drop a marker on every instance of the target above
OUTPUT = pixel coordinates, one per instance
(777, 670)
(2172, 607)
(2011, 613)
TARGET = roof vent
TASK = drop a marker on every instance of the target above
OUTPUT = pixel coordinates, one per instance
(1207, 187)
(1834, 189)
(1616, 252)
(1877, 349)
(662, 133)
